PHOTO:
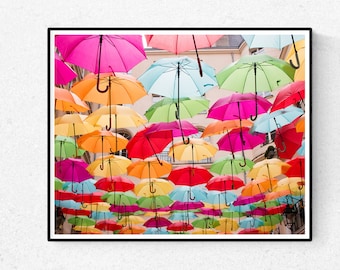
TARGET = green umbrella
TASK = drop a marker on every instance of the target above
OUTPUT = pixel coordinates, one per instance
(253, 73)
(205, 223)
(65, 147)
(81, 221)
(120, 198)
(154, 202)
(58, 184)
(165, 109)
(231, 165)
(271, 220)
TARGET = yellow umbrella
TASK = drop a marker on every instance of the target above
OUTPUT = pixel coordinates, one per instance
(123, 117)
(153, 187)
(196, 149)
(268, 168)
(131, 220)
(67, 101)
(295, 185)
(113, 165)
(133, 229)
(300, 48)
(72, 125)
(204, 231)
(149, 168)
(87, 230)
(227, 225)
(97, 206)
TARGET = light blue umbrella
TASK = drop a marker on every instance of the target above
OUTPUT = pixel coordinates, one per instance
(251, 222)
(84, 187)
(275, 120)
(101, 215)
(186, 193)
(301, 150)
(156, 231)
(178, 77)
(68, 204)
(180, 216)
(218, 197)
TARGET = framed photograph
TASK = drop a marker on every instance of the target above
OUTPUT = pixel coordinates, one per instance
(179, 134)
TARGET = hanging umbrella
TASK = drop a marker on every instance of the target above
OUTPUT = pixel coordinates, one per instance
(182, 216)
(62, 195)
(289, 94)
(255, 72)
(299, 49)
(132, 229)
(149, 168)
(76, 212)
(189, 175)
(63, 73)
(243, 200)
(186, 206)
(177, 78)
(157, 222)
(258, 186)
(83, 187)
(115, 183)
(72, 170)
(227, 225)
(144, 145)
(65, 147)
(189, 194)
(295, 185)
(81, 221)
(68, 101)
(251, 222)
(225, 182)
(113, 165)
(69, 204)
(238, 106)
(240, 139)
(205, 223)
(154, 202)
(116, 198)
(195, 150)
(230, 164)
(153, 187)
(181, 43)
(288, 141)
(72, 125)
(208, 211)
(268, 169)
(108, 225)
(58, 184)
(180, 226)
(297, 168)
(300, 124)
(166, 110)
(93, 197)
(219, 127)
(220, 198)
(124, 117)
(102, 53)
(274, 41)
(102, 141)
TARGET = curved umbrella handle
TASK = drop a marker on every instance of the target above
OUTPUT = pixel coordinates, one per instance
(297, 61)
(284, 147)
(192, 197)
(99, 90)
(152, 189)
(244, 162)
(253, 118)
(99, 58)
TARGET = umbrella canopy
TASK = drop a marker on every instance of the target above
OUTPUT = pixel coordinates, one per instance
(219, 127)
(178, 128)
(102, 53)
(115, 183)
(219, 198)
(299, 49)
(244, 200)
(68, 101)
(72, 125)
(65, 147)
(153, 187)
(223, 183)
(297, 168)
(205, 223)
(300, 124)
(258, 186)
(149, 168)
(251, 222)
(177, 78)
(295, 185)
(255, 72)
(113, 165)
(289, 94)
(189, 175)
(230, 164)
(189, 194)
(157, 222)
(271, 41)
(166, 110)
(144, 145)
(154, 202)
(227, 225)
(83, 187)
(63, 73)
(81, 221)
(196, 149)
(108, 225)
(180, 226)
(268, 169)
(277, 119)
(72, 170)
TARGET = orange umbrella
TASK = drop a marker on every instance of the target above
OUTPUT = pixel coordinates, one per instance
(300, 124)
(67, 101)
(133, 229)
(258, 186)
(276, 194)
(219, 127)
(149, 168)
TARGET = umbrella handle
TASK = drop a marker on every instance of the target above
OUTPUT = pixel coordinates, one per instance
(99, 90)
(284, 147)
(198, 59)
(296, 56)
(152, 189)
(253, 118)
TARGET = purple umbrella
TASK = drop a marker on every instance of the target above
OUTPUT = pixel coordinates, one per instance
(240, 139)
(72, 170)
(243, 200)
(63, 73)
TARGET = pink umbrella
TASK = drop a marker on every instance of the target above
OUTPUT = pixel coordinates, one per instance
(63, 73)
(210, 211)
(181, 206)
(157, 222)
(102, 53)
(243, 200)
(240, 139)
(72, 170)
(224, 182)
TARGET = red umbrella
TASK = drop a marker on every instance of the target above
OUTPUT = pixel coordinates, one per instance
(249, 231)
(289, 94)
(297, 168)
(89, 197)
(180, 226)
(182, 43)
(287, 141)
(224, 182)
(144, 145)
(115, 183)
(108, 225)
(189, 175)
(76, 212)
(62, 195)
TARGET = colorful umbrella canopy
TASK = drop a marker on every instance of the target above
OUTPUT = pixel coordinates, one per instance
(154, 202)
(297, 168)
(219, 127)
(271, 41)
(63, 73)
(153, 187)
(251, 222)
(149, 168)
(225, 182)
(289, 94)
(196, 149)
(219, 198)
(144, 145)
(295, 185)
(132, 229)
(67, 101)
(258, 186)
(230, 164)
(227, 225)
(86, 186)
(243, 200)
(177, 78)
(268, 169)
(72, 170)
(300, 124)
(166, 110)
(115, 183)
(102, 53)
(157, 222)
(205, 223)
(189, 194)
(113, 165)
(81, 221)
(189, 175)
(72, 125)
(108, 225)
(65, 147)
(180, 226)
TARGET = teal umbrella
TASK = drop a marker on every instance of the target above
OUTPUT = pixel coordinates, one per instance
(166, 110)
(253, 73)
(65, 147)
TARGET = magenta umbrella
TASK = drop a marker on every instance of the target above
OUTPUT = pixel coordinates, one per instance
(63, 73)
(157, 222)
(238, 106)
(182, 206)
(102, 53)
(243, 200)
(72, 170)
(240, 139)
